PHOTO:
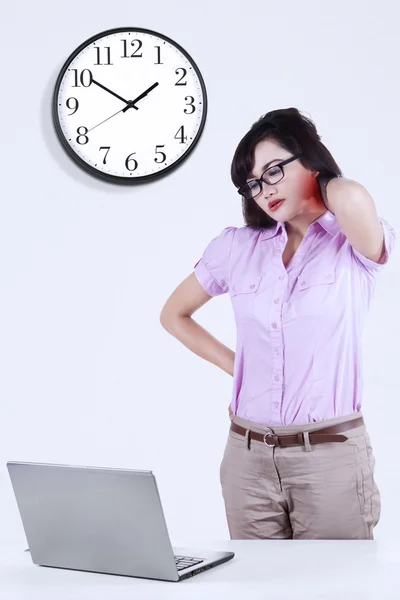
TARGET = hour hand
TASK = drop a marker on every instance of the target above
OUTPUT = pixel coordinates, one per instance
(113, 93)
(132, 103)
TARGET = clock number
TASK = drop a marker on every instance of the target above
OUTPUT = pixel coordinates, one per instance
(74, 108)
(159, 152)
(82, 135)
(133, 55)
(158, 56)
(98, 50)
(184, 75)
(182, 137)
(105, 156)
(76, 84)
(191, 105)
(128, 160)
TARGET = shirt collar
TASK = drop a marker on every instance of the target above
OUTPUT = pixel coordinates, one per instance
(327, 220)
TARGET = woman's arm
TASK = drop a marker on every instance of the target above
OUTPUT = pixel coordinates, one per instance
(176, 318)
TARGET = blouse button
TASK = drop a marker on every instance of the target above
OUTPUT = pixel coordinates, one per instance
(274, 325)
(252, 286)
(281, 277)
(276, 300)
(303, 283)
(329, 276)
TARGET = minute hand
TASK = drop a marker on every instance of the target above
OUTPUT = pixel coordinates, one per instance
(114, 94)
(132, 103)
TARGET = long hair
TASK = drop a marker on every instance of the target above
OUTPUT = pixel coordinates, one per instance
(294, 132)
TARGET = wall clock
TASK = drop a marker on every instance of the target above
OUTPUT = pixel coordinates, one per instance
(129, 105)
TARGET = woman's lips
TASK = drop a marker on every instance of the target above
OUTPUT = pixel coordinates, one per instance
(276, 204)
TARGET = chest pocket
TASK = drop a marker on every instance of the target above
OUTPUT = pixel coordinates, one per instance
(243, 293)
(314, 293)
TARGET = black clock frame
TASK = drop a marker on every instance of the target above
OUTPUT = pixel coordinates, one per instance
(108, 176)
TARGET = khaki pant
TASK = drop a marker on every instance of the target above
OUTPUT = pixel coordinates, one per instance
(324, 492)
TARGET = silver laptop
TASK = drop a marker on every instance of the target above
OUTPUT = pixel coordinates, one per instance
(103, 520)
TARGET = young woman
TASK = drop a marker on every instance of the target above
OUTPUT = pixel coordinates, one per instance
(298, 461)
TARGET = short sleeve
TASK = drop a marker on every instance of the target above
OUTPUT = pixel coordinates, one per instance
(390, 238)
(212, 270)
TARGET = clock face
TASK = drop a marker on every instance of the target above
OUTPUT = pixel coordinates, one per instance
(129, 105)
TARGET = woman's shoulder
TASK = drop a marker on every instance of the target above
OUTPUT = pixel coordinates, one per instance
(247, 233)
(238, 235)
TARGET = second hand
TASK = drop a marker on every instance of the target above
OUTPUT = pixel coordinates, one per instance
(108, 118)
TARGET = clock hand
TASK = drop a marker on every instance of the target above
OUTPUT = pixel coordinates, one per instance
(108, 118)
(128, 102)
(131, 103)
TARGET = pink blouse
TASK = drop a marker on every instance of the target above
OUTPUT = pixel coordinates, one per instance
(298, 350)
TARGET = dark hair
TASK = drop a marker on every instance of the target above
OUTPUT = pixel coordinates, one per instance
(295, 133)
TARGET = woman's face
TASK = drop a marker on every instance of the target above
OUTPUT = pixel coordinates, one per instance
(299, 186)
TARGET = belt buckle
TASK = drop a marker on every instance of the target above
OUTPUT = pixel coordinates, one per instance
(265, 442)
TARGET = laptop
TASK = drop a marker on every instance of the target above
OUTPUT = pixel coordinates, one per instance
(103, 520)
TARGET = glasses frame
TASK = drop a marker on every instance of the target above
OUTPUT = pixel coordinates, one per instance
(261, 179)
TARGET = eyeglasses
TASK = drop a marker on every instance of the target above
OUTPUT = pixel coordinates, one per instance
(272, 175)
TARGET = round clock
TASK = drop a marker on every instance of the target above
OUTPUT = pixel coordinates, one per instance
(129, 105)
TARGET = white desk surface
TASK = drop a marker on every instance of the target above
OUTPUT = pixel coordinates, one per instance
(261, 569)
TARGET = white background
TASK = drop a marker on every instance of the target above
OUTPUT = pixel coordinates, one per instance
(88, 375)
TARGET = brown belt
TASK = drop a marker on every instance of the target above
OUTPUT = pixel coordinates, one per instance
(317, 436)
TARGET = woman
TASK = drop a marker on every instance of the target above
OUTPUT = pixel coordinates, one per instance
(298, 462)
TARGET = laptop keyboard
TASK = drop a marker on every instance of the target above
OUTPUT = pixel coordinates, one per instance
(183, 562)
